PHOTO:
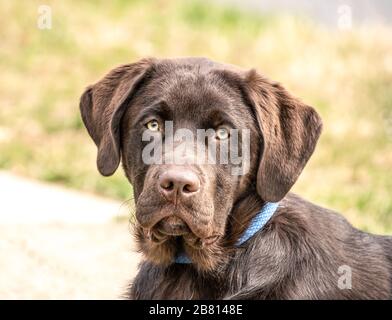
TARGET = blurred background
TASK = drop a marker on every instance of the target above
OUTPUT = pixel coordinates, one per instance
(60, 243)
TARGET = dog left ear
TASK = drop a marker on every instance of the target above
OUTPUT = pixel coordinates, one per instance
(290, 131)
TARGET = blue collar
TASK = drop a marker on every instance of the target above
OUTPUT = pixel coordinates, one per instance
(257, 223)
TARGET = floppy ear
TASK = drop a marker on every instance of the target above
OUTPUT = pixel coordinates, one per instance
(290, 131)
(102, 106)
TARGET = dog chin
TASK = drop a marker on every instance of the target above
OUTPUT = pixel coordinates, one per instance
(205, 254)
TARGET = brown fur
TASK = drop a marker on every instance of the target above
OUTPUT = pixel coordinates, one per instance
(298, 253)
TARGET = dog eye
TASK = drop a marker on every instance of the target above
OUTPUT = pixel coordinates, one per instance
(152, 125)
(222, 133)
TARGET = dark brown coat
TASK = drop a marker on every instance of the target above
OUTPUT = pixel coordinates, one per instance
(304, 251)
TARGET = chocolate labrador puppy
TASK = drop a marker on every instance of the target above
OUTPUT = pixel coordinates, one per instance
(206, 231)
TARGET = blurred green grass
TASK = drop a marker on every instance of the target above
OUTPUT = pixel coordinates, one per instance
(347, 76)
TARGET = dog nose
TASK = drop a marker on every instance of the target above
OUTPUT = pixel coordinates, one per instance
(178, 182)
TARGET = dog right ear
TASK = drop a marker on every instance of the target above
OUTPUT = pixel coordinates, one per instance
(102, 106)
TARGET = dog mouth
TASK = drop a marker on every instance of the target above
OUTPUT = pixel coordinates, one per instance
(172, 226)
(175, 229)
(168, 228)
(168, 234)
(174, 220)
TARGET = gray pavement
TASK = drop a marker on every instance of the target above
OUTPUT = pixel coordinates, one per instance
(61, 244)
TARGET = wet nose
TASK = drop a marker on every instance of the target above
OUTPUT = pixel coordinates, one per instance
(178, 182)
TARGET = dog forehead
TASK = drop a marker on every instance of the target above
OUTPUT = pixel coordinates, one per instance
(188, 88)
(193, 86)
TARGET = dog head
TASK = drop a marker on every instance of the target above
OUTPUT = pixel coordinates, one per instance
(184, 201)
